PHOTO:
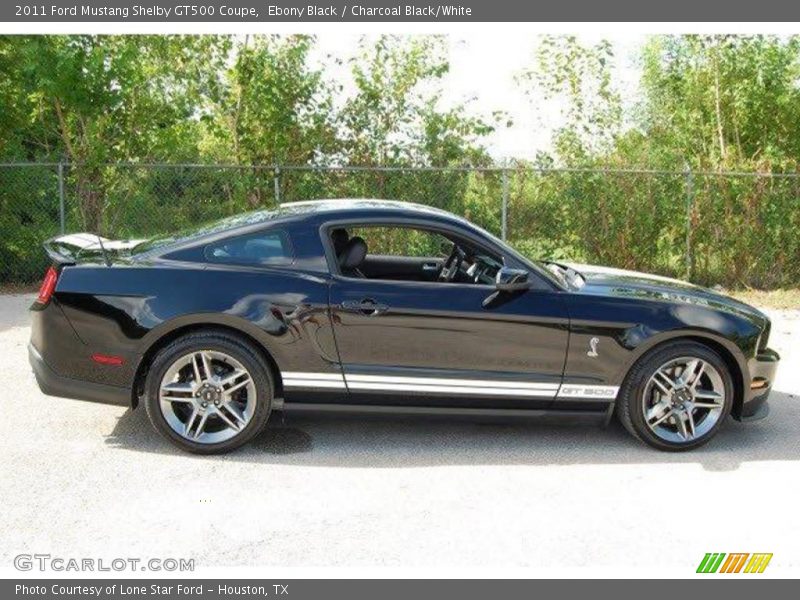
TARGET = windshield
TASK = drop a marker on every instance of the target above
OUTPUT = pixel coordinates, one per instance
(538, 266)
(568, 276)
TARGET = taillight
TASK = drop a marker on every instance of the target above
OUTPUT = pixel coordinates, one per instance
(48, 286)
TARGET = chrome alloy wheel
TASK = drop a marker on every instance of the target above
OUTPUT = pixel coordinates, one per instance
(207, 397)
(683, 399)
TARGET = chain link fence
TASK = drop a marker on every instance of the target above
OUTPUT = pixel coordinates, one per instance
(729, 228)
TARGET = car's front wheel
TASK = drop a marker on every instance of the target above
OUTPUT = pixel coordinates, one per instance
(208, 392)
(677, 396)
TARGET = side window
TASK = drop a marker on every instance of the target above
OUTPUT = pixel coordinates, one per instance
(408, 253)
(403, 241)
(271, 247)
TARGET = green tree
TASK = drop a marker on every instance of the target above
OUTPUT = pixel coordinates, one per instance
(271, 106)
(101, 99)
(13, 121)
(729, 103)
(395, 116)
(723, 101)
(708, 103)
(579, 77)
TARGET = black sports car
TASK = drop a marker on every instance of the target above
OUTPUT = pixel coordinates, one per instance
(379, 306)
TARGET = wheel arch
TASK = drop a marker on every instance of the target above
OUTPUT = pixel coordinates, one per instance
(727, 350)
(157, 340)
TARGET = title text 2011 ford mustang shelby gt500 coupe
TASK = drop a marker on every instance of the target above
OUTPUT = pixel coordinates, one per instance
(378, 306)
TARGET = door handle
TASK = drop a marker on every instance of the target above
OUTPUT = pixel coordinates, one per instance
(430, 267)
(367, 306)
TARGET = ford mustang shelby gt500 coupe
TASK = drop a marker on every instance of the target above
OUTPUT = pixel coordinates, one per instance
(380, 306)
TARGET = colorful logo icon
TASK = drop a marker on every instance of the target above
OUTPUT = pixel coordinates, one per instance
(737, 562)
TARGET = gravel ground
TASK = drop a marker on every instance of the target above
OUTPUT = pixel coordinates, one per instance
(91, 480)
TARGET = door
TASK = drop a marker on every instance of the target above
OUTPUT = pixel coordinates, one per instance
(432, 343)
(435, 344)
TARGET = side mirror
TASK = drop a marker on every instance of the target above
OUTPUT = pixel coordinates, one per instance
(512, 280)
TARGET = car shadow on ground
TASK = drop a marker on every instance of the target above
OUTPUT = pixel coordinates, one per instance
(363, 442)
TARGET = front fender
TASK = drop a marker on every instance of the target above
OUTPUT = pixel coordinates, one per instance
(621, 331)
(730, 352)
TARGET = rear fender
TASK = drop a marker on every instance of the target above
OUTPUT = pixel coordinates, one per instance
(175, 327)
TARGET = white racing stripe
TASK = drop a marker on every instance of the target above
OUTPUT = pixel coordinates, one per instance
(299, 375)
(451, 382)
(314, 383)
(296, 379)
(443, 385)
(450, 389)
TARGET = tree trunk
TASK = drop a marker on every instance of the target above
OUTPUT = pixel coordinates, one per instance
(88, 186)
(718, 108)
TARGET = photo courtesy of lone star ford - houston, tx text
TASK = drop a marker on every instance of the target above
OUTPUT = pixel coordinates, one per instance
(396, 298)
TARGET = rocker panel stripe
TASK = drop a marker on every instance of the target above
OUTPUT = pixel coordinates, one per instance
(451, 382)
(448, 385)
(450, 389)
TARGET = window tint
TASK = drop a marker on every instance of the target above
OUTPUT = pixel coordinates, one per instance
(263, 248)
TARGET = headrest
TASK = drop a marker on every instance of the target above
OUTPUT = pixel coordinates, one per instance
(353, 254)
(339, 238)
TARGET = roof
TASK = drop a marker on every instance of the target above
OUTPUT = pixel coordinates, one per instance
(358, 204)
(289, 210)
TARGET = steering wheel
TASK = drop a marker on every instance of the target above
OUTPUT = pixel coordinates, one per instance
(452, 264)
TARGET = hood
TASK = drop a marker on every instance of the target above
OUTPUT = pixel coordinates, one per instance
(608, 281)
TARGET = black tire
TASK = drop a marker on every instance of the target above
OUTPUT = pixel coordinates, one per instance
(630, 409)
(218, 341)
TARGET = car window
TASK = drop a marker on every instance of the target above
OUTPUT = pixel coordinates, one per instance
(263, 248)
(409, 253)
(403, 241)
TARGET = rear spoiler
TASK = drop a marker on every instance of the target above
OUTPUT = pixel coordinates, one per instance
(66, 249)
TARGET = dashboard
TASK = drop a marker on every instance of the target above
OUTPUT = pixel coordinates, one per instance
(483, 269)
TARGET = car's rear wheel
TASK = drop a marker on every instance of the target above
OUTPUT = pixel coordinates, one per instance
(208, 392)
(677, 396)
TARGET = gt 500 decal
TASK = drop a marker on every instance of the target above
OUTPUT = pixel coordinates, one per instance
(601, 392)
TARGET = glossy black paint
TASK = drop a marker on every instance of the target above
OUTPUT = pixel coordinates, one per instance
(444, 331)
(307, 318)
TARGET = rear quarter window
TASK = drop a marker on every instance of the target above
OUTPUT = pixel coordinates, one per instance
(266, 248)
